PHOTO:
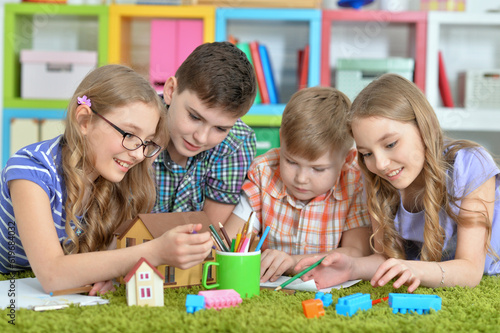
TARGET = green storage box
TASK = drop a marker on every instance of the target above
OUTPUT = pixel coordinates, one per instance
(355, 74)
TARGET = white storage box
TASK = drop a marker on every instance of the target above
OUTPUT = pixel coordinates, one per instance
(355, 74)
(54, 74)
(480, 89)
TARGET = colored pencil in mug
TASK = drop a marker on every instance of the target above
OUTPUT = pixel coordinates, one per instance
(238, 239)
(217, 237)
(224, 233)
(264, 235)
(295, 277)
(247, 225)
(242, 240)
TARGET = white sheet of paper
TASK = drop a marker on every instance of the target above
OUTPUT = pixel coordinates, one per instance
(28, 294)
(305, 286)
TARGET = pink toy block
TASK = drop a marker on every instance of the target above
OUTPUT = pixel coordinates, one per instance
(218, 299)
(313, 308)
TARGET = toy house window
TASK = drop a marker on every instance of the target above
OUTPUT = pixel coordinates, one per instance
(169, 275)
(209, 273)
(129, 242)
(144, 276)
(145, 293)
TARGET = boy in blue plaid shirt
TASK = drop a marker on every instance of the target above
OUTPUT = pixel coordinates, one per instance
(210, 148)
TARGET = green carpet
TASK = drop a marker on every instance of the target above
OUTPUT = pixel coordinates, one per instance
(463, 309)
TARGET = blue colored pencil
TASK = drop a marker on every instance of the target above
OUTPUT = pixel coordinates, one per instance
(264, 235)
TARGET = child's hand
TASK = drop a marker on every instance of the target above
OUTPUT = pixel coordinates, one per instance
(334, 269)
(102, 288)
(392, 268)
(273, 264)
(181, 248)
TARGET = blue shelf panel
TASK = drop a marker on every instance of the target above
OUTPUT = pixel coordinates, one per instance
(313, 16)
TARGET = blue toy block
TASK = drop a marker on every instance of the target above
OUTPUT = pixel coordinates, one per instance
(417, 303)
(325, 298)
(348, 305)
(194, 303)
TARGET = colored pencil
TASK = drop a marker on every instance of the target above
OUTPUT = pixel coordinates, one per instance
(233, 243)
(247, 225)
(242, 240)
(252, 239)
(249, 239)
(224, 233)
(217, 237)
(376, 301)
(238, 239)
(254, 245)
(216, 246)
(70, 291)
(295, 277)
(264, 235)
(244, 245)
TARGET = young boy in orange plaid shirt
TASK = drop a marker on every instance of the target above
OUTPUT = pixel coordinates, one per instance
(309, 191)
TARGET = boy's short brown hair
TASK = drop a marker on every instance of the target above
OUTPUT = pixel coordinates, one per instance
(315, 122)
(221, 76)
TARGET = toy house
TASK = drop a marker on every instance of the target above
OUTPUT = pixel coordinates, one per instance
(144, 285)
(146, 227)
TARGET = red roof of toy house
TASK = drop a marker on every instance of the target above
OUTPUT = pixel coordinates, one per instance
(136, 267)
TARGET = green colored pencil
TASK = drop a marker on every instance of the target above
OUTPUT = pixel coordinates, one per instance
(217, 236)
(295, 277)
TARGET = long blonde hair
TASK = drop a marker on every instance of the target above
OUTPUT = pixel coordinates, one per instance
(110, 203)
(394, 97)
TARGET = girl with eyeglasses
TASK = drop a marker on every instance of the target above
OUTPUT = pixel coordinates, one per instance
(62, 199)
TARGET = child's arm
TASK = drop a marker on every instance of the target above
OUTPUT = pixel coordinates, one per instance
(217, 212)
(233, 224)
(355, 242)
(467, 267)
(56, 271)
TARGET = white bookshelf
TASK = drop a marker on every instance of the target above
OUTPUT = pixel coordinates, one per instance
(468, 41)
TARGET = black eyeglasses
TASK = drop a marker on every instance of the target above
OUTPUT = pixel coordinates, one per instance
(133, 142)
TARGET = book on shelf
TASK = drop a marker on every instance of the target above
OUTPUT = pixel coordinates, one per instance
(268, 75)
(172, 40)
(444, 84)
(245, 48)
(303, 67)
(259, 72)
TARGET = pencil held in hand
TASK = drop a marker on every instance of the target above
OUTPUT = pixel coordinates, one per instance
(298, 275)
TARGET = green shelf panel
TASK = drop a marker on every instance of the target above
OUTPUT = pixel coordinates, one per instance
(19, 24)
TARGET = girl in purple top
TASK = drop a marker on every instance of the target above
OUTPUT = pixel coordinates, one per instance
(433, 201)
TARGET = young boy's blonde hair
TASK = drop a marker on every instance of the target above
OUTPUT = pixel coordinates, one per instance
(315, 122)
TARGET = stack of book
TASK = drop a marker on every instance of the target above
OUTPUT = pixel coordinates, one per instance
(258, 56)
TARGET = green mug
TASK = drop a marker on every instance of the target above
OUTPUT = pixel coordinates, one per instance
(235, 270)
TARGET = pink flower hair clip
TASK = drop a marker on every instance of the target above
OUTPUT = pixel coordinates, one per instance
(84, 100)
